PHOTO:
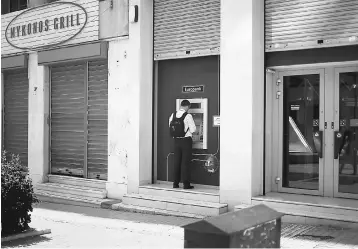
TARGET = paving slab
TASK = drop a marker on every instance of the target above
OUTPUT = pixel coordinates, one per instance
(84, 227)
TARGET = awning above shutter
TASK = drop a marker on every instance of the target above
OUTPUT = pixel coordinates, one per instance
(303, 24)
(186, 28)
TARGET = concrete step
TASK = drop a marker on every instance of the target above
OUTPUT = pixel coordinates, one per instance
(76, 181)
(196, 195)
(309, 212)
(72, 190)
(153, 211)
(68, 199)
(175, 204)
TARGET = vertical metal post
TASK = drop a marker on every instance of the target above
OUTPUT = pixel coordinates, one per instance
(49, 121)
(155, 116)
(85, 121)
(2, 101)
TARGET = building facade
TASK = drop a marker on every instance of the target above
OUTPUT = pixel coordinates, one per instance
(87, 99)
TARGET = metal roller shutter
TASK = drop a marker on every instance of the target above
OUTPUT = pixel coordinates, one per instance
(302, 24)
(15, 134)
(68, 89)
(97, 137)
(186, 28)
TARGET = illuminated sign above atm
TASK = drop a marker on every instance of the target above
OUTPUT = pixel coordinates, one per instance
(193, 89)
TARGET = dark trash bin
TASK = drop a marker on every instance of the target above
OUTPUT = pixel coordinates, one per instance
(254, 227)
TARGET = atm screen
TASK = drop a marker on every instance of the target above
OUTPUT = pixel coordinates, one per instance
(195, 106)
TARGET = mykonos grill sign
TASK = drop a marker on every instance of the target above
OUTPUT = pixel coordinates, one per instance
(45, 26)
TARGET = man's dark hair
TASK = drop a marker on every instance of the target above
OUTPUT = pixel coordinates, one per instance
(185, 103)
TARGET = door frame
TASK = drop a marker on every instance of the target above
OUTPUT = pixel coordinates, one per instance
(155, 125)
(337, 71)
(85, 64)
(282, 74)
(2, 103)
(273, 172)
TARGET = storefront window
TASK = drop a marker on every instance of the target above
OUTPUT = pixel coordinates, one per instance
(301, 123)
(348, 127)
(8, 6)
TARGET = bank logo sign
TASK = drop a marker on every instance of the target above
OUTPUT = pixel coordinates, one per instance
(46, 25)
(193, 89)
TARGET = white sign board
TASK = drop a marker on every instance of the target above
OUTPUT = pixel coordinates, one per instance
(216, 121)
(49, 25)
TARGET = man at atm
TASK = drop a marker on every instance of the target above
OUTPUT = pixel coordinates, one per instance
(183, 143)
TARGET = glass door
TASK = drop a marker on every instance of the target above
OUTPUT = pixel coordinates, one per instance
(346, 133)
(301, 125)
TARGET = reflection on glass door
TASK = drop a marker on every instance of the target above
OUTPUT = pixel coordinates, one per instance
(302, 134)
(346, 138)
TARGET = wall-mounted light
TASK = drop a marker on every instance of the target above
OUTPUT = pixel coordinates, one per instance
(133, 13)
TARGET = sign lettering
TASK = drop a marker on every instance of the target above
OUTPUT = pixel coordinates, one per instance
(193, 89)
(59, 21)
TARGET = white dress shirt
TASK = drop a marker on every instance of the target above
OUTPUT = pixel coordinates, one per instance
(188, 122)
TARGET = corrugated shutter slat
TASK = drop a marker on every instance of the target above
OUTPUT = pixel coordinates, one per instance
(303, 24)
(16, 87)
(186, 28)
(97, 138)
(67, 119)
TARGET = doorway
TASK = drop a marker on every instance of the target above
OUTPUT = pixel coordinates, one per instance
(315, 127)
(346, 133)
(79, 119)
(197, 80)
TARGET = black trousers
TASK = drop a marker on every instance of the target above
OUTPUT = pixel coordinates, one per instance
(182, 158)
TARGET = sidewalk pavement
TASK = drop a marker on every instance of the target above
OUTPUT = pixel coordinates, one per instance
(81, 227)
(306, 236)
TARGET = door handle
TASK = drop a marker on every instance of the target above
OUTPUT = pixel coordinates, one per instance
(337, 141)
(318, 135)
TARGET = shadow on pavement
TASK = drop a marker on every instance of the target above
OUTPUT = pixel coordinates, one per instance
(318, 236)
(25, 242)
(120, 215)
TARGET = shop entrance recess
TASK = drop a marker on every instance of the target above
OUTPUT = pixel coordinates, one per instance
(197, 80)
(346, 132)
(79, 119)
(315, 125)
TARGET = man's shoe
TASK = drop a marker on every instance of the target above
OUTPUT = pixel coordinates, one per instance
(175, 185)
(188, 187)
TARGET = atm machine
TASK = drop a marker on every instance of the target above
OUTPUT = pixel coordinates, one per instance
(199, 111)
